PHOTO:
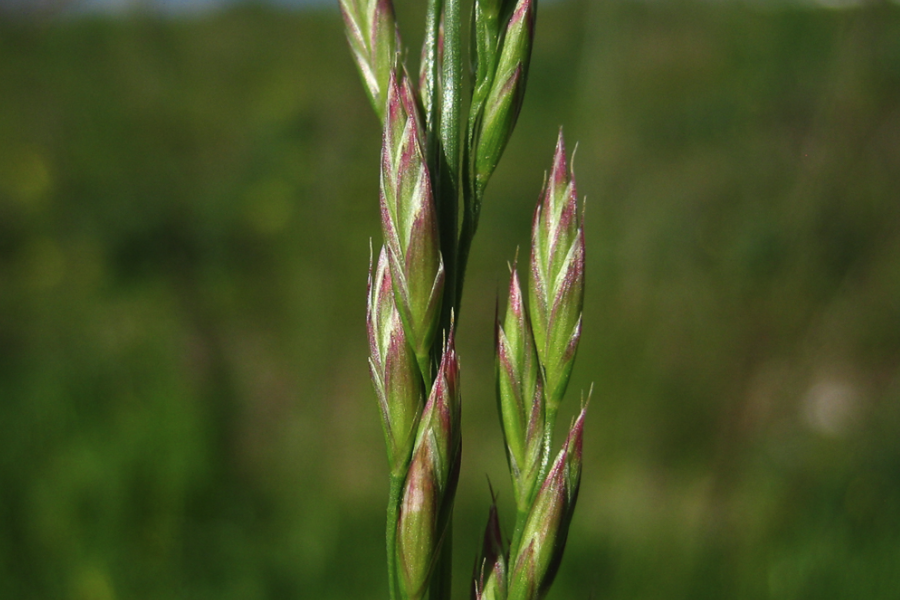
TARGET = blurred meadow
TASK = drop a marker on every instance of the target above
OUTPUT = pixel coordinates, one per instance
(185, 213)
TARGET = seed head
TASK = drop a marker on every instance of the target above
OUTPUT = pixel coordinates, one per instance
(417, 526)
(506, 87)
(547, 526)
(556, 290)
(374, 40)
(392, 365)
(430, 485)
(520, 396)
(409, 220)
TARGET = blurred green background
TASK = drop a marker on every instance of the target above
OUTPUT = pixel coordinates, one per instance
(185, 213)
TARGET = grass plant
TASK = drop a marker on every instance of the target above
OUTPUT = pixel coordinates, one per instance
(416, 287)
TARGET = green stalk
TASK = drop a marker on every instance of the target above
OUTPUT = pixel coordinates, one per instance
(446, 188)
(452, 91)
(471, 207)
(449, 153)
(431, 69)
(393, 511)
(430, 94)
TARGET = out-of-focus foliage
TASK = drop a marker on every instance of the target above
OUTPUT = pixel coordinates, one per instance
(185, 207)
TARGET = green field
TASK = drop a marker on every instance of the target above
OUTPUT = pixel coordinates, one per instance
(185, 214)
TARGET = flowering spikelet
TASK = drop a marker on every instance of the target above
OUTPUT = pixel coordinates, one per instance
(556, 290)
(500, 79)
(547, 527)
(374, 39)
(520, 395)
(409, 221)
(489, 579)
(430, 485)
(393, 367)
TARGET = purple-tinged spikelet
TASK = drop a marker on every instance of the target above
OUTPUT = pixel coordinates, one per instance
(374, 40)
(520, 396)
(392, 364)
(430, 486)
(556, 286)
(409, 220)
(547, 527)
